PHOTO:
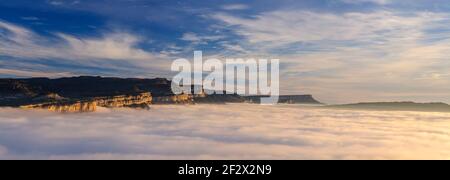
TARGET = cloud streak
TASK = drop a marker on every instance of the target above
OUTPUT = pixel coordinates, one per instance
(232, 7)
(23, 43)
(287, 27)
(115, 51)
(352, 56)
(225, 132)
(379, 2)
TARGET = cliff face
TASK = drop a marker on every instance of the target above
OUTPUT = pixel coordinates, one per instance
(65, 107)
(142, 100)
(125, 101)
(174, 99)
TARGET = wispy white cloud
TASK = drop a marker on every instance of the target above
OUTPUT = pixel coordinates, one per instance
(103, 51)
(285, 27)
(56, 3)
(380, 2)
(30, 18)
(21, 42)
(224, 132)
(352, 56)
(200, 39)
(63, 2)
(232, 7)
(28, 73)
(121, 46)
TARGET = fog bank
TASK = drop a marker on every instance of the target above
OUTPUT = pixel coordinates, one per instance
(224, 132)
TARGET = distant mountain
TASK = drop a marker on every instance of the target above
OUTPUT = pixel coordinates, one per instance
(396, 106)
(287, 99)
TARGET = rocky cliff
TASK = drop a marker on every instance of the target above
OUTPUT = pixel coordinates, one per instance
(142, 100)
(65, 107)
(174, 99)
(85, 94)
(82, 94)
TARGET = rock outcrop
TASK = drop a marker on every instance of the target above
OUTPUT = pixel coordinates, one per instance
(142, 100)
(65, 107)
(125, 101)
(174, 99)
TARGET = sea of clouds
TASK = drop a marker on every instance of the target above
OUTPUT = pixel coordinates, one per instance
(224, 132)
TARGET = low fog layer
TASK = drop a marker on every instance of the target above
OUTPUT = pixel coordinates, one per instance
(224, 132)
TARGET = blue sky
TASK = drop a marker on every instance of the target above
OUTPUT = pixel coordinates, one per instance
(338, 50)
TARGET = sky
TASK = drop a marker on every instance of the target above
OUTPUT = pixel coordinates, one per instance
(341, 51)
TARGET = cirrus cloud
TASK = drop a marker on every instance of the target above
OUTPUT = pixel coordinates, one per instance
(20, 42)
(352, 56)
(114, 51)
(380, 2)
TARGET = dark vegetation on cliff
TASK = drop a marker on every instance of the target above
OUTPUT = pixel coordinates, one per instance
(18, 92)
(82, 87)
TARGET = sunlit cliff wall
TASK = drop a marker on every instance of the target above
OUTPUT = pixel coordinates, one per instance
(65, 107)
(174, 99)
(125, 101)
(140, 100)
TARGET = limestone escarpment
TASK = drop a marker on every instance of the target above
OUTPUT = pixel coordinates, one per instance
(81, 94)
(174, 99)
(125, 100)
(142, 100)
(65, 107)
